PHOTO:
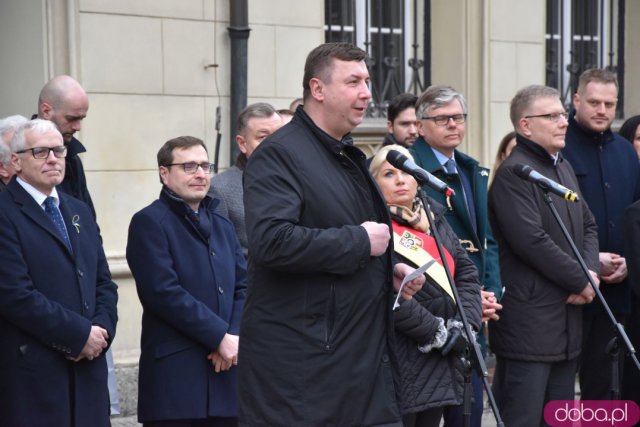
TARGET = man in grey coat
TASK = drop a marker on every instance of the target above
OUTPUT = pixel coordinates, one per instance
(255, 123)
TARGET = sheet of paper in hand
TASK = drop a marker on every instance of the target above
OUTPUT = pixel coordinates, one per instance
(409, 277)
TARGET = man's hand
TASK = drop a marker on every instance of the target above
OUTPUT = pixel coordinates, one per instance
(587, 294)
(401, 270)
(227, 353)
(96, 342)
(490, 306)
(619, 272)
(378, 236)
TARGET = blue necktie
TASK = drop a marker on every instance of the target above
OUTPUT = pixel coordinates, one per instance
(54, 213)
(450, 167)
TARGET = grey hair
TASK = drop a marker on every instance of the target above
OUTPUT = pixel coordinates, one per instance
(258, 110)
(436, 97)
(8, 125)
(525, 97)
(19, 143)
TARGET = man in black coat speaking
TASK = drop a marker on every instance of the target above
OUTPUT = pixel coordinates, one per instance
(315, 338)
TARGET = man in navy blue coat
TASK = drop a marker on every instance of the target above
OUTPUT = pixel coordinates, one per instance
(609, 177)
(190, 274)
(57, 299)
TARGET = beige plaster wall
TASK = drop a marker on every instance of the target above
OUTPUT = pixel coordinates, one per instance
(632, 59)
(143, 65)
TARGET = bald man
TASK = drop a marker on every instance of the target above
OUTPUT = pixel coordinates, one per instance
(64, 102)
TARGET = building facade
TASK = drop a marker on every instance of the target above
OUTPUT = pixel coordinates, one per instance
(157, 69)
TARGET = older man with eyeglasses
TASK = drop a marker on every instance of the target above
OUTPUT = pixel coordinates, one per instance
(57, 299)
(190, 274)
(442, 115)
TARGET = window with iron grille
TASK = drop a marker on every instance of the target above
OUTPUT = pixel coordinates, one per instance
(583, 34)
(382, 28)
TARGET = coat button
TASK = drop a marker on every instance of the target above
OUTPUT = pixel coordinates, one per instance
(80, 273)
(385, 358)
(220, 289)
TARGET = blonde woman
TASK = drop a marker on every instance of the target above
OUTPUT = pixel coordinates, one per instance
(428, 325)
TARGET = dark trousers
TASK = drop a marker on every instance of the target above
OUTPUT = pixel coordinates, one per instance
(522, 389)
(203, 422)
(428, 418)
(631, 379)
(454, 415)
(595, 363)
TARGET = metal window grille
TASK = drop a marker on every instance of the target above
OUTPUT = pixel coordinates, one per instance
(583, 34)
(381, 28)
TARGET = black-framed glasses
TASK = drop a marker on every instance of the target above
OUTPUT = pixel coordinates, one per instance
(191, 167)
(43, 152)
(552, 117)
(444, 120)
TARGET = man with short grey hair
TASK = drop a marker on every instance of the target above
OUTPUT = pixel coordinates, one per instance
(442, 116)
(255, 123)
(57, 300)
(8, 126)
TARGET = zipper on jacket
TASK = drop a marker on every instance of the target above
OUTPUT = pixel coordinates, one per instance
(330, 318)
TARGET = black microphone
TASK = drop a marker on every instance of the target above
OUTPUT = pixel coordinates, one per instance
(526, 172)
(402, 162)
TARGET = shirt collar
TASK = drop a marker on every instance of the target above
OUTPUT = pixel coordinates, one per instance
(38, 196)
(442, 159)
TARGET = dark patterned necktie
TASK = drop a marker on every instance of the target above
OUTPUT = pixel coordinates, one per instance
(54, 213)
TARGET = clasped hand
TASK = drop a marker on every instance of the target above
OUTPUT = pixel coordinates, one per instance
(226, 355)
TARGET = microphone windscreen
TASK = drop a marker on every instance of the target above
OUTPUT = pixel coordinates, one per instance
(523, 171)
(396, 158)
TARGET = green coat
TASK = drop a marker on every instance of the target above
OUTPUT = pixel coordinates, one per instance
(457, 214)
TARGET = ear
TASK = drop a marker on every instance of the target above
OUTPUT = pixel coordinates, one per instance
(523, 126)
(389, 126)
(164, 172)
(576, 100)
(421, 129)
(46, 111)
(242, 143)
(16, 163)
(4, 173)
(316, 87)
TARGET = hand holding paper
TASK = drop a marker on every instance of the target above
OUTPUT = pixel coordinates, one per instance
(412, 280)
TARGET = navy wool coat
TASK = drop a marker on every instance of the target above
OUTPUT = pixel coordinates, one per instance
(192, 291)
(49, 299)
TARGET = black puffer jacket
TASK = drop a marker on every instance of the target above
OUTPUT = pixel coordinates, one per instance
(431, 380)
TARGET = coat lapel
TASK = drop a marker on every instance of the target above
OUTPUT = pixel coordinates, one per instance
(35, 213)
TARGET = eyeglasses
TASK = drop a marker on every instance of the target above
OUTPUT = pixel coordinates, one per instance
(192, 167)
(444, 120)
(552, 117)
(43, 152)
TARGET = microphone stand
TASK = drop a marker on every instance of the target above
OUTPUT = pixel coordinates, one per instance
(612, 347)
(477, 360)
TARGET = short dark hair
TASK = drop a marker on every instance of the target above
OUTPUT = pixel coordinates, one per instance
(259, 109)
(399, 103)
(629, 127)
(165, 153)
(320, 60)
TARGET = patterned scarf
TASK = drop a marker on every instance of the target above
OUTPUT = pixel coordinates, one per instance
(415, 218)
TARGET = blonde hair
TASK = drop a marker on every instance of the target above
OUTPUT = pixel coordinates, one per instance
(381, 156)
